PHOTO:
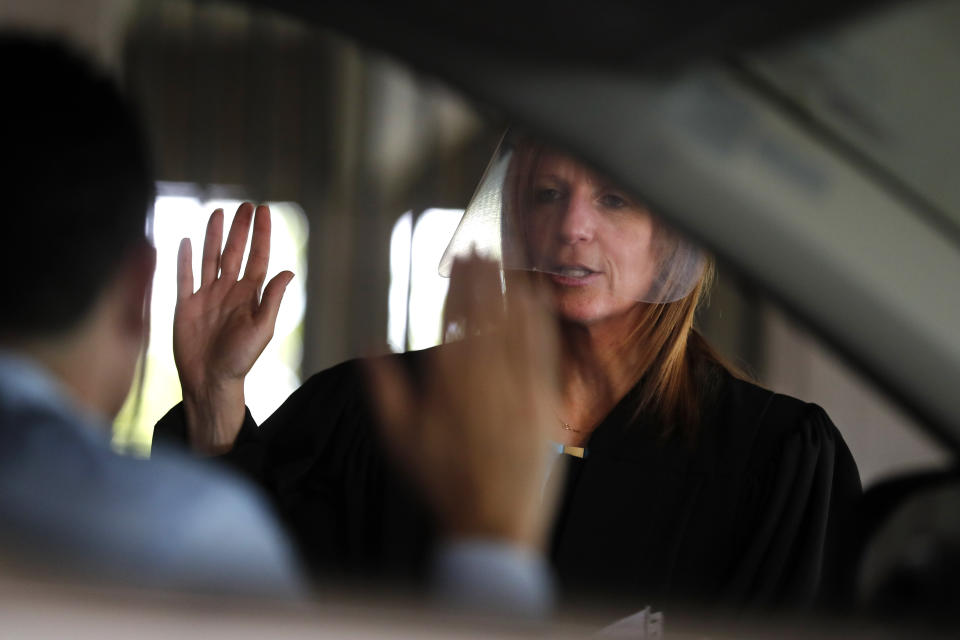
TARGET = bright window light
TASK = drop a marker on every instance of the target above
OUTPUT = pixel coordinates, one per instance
(399, 282)
(414, 266)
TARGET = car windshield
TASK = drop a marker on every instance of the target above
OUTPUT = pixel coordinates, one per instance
(802, 191)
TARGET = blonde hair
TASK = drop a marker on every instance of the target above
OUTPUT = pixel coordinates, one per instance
(675, 359)
(670, 371)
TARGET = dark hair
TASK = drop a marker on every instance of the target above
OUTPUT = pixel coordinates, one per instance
(77, 184)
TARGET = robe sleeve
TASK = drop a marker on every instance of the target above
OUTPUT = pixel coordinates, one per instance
(171, 429)
(797, 510)
(310, 412)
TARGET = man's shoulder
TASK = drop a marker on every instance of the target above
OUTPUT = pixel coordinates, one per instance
(215, 513)
(171, 520)
(75, 458)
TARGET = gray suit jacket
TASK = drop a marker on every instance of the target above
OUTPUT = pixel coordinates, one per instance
(69, 503)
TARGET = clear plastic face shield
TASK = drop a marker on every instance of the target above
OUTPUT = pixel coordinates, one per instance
(540, 210)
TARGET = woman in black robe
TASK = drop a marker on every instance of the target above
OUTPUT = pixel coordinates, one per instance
(685, 481)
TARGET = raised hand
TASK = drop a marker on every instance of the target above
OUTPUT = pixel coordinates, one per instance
(221, 329)
(475, 437)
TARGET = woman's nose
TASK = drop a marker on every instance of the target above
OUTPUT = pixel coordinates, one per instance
(578, 222)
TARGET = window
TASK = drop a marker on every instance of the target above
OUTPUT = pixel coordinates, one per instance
(417, 291)
(180, 212)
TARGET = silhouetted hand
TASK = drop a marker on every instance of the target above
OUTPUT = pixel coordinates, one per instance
(475, 437)
(221, 329)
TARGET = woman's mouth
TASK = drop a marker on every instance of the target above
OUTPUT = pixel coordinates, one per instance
(572, 275)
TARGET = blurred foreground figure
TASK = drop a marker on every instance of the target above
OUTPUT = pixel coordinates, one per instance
(77, 189)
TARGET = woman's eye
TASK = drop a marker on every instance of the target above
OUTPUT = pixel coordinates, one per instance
(613, 201)
(547, 194)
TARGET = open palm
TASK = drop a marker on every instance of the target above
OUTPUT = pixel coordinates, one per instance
(221, 329)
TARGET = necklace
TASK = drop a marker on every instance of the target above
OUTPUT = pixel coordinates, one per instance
(568, 427)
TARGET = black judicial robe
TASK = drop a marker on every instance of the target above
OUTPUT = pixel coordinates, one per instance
(751, 512)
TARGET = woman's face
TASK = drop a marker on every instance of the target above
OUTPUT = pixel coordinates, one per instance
(591, 240)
